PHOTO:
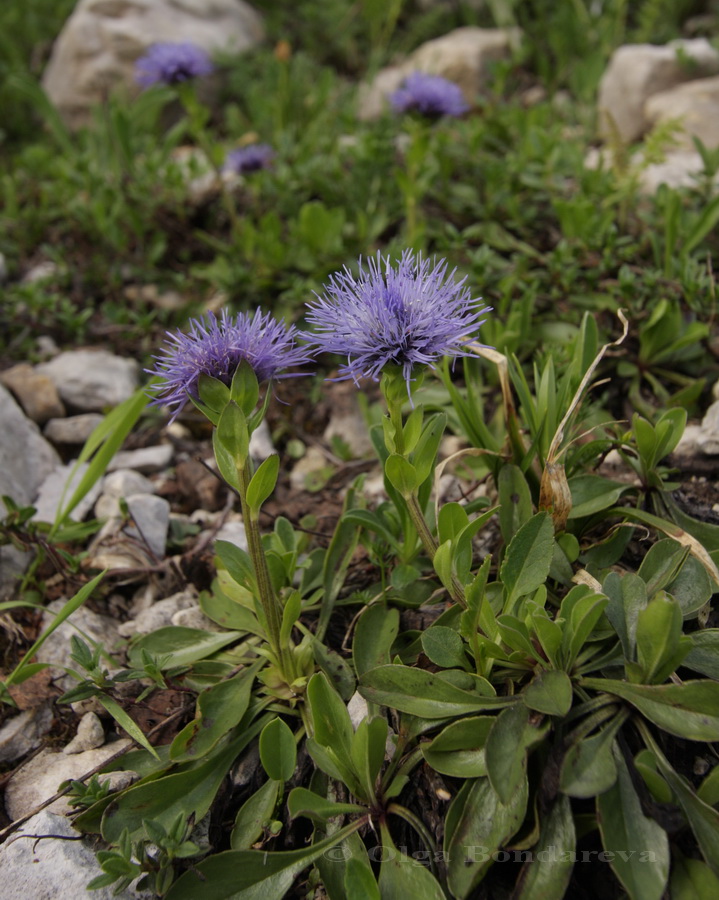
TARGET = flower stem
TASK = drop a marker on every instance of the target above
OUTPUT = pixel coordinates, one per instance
(268, 598)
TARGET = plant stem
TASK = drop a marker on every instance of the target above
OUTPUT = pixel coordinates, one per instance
(268, 598)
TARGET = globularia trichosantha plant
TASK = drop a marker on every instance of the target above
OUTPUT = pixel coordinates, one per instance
(540, 696)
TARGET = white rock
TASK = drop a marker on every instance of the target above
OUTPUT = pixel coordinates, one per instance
(145, 460)
(151, 516)
(51, 868)
(26, 458)
(708, 441)
(193, 617)
(313, 462)
(92, 380)
(159, 615)
(83, 622)
(24, 732)
(637, 71)
(120, 484)
(13, 563)
(679, 169)
(72, 429)
(261, 445)
(351, 428)
(40, 778)
(59, 487)
(357, 709)
(695, 105)
(233, 531)
(463, 56)
(41, 272)
(89, 736)
(101, 41)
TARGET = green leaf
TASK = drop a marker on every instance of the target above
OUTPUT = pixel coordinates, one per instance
(331, 721)
(660, 646)
(189, 792)
(336, 668)
(238, 564)
(251, 874)
(515, 501)
(529, 556)
(368, 752)
(549, 692)
(459, 749)
(359, 883)
(263, 483)
(588, 768)
(427, 447)
(375, 633)
(402, 474)
(629, 835)
(708, 790)
(245, 390)
(547, 875)
(627, 597)
(704, 654)
(180, 646)
(213, 393)
(704, 819)
(126, 723)
(424, 694)
(278, 750)
(592, 493)
(477, 825)
(400, 876)
(219, 709)
(506, 749)
(337, 560)
(692, 879)
(302, 802)
(444, 647)
(255, 815)
(228, 613)
(689, 710)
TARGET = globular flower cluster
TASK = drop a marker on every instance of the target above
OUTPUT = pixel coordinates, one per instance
(429, 95)
(407, 316)
(249, 159)
(171, 63)
(216, 347)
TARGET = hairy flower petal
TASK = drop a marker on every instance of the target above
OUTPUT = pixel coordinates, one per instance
(406, 315)
(168, 63)
(216, 348)
(430, 95)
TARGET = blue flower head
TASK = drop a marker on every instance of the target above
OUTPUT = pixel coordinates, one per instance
(429, 95)
(249, 159)
(167, 63)
(216, 348)
(406, 315)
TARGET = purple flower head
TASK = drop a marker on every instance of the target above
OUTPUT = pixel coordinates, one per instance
(249, 159)
(216, 347)
(409, 315)
(430, 95)
(172, 63)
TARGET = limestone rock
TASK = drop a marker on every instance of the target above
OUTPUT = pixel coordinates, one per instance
(51, 868)
(463, 56)
(83, 622)
(261, 445)
(678, 169)
(35, 392)
(101, 41)
(40, 778)
(24, 732)
(89, 736)
(159, 615)
(92, 380)
(59, 487)
(637, 71)
(695, 105)
(72, 429)
(13, 563)
(145, 460)
(233, 531)
(151, 516)
(26, 458)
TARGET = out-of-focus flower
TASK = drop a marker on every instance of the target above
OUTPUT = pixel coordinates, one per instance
(216, 348)
(406, 315)
(249, 159)
(167, 63)
(429, 95)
